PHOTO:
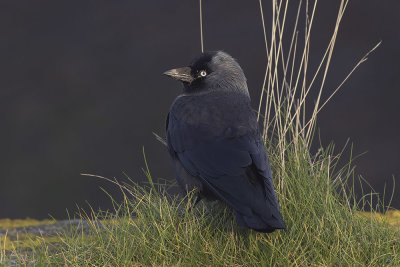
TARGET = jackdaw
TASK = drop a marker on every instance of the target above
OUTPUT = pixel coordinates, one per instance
(215, 143)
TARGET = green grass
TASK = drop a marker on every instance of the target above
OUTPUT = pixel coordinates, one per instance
(152, 228)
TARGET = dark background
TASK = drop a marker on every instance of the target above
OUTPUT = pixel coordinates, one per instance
(81, 90)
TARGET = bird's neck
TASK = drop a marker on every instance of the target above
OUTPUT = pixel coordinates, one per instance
(218, 90)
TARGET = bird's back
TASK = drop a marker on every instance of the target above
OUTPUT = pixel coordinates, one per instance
(215, 144)
(216, 113)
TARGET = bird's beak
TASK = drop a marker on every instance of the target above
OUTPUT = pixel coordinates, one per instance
(181, 74)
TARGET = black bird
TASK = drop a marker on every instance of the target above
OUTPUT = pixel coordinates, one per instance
(215, 144)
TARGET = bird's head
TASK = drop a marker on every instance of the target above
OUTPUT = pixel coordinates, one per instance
(211, 71)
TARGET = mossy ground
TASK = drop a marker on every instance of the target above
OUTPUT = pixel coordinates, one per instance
(23, 239)
(9, 223)
(156, 229)
(14, 234)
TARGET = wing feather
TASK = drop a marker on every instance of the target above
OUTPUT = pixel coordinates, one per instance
(232, 164)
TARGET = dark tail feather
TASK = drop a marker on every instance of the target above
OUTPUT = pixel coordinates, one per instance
(266, 223)
(256, 223)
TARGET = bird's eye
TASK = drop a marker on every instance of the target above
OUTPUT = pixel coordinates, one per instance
(203, 73)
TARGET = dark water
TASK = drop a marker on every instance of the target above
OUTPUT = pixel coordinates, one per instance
(81, 90)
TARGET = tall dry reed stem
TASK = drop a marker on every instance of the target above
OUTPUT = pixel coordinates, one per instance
(286, 88)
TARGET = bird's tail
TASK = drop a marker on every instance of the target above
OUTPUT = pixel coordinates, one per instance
(259, 224)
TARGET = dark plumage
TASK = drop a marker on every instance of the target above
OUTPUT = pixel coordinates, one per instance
(215, 144)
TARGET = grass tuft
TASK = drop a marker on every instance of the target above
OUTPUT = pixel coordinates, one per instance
(152, 228)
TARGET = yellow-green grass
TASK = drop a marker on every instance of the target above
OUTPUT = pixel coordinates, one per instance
(325, 227)
(15, 236)
(9, 223)
(27, 240)
(391, 217)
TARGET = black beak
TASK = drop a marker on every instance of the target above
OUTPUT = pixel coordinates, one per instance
(181, 74)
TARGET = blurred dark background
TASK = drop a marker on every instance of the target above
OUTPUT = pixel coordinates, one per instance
(81, 90)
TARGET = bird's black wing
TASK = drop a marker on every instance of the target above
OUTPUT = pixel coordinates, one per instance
(232, 164)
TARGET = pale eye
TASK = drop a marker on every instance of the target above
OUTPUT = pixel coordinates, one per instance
(203, 73)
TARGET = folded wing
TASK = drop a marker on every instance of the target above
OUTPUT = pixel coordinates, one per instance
(232, 165)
